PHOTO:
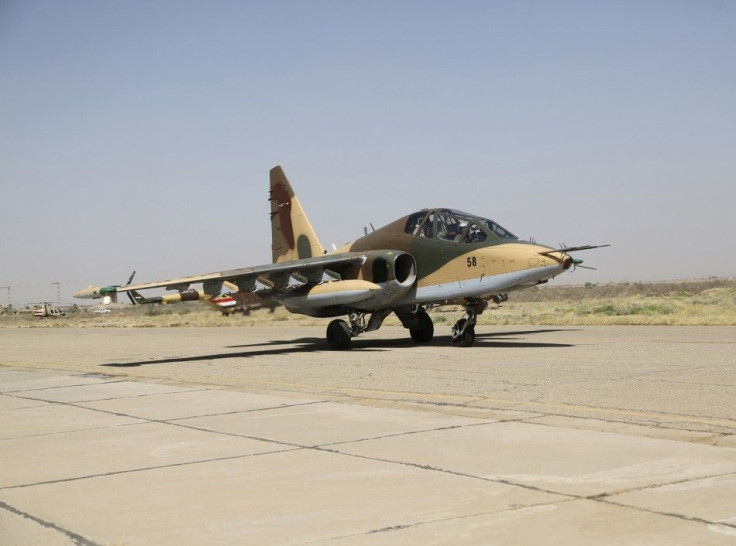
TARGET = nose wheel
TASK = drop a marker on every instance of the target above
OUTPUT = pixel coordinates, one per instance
(463, 332)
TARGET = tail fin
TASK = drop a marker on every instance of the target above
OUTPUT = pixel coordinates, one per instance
(292, 236)
(136, 298)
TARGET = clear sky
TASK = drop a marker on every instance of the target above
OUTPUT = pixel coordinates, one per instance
(139, 135)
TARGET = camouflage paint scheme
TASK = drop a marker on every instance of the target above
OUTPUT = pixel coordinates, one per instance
(443, 262)
(430, 257)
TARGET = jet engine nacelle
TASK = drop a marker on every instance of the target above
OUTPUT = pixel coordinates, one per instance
(393, 271)
(389, 266)
(384, 277)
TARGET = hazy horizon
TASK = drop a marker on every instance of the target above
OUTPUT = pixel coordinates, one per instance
(139, 135)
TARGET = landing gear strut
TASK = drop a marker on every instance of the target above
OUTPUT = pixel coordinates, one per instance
(357, 323)
(463, 333)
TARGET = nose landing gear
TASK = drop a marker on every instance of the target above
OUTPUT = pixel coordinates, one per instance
(463, 332)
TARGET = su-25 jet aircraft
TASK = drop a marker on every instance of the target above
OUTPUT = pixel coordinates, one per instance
(430, 257)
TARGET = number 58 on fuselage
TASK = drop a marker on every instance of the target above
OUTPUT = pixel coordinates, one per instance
(430, 257)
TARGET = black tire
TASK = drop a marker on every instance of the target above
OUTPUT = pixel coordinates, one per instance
(425, 331)
(467, 338)
(338, 335)
(458, 326)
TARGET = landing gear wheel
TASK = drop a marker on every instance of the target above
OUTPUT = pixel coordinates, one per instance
(467, 338)
(463, 335)
(425, 331)
(338, 335)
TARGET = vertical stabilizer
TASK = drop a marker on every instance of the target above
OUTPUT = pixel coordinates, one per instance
(292, 235)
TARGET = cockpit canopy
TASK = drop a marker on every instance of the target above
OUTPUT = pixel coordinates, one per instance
(455, 226)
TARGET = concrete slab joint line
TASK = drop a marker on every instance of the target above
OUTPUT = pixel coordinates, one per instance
(723, 524)
(78, 539)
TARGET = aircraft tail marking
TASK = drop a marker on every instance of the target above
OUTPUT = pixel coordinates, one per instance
(292, 235)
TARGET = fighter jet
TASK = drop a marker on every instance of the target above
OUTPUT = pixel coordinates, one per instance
(430, 257)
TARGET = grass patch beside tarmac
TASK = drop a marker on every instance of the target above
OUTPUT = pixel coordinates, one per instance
(692, 303)
(706, 302)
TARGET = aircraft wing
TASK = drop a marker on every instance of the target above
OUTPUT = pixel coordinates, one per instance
(276, 276)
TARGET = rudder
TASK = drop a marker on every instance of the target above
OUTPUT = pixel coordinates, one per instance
(292, 235)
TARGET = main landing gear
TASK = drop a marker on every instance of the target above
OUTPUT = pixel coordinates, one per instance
(339, 333)
(423, 332)
(416, 319)
(463, 332)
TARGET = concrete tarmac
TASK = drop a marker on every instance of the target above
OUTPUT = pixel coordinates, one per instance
(587, 435)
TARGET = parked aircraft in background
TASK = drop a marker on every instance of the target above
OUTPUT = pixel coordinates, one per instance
(47, 310)
(429, 257)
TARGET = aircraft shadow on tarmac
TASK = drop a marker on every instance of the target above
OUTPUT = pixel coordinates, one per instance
(509, 339)
(313, 344)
